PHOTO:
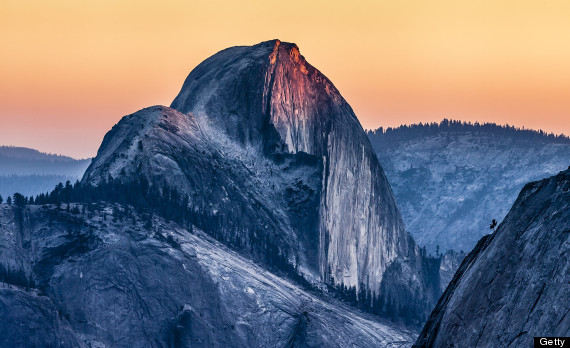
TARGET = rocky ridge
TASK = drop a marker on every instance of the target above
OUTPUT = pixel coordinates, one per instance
(515, 284)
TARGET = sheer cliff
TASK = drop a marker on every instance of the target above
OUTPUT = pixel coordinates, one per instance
(269, 99)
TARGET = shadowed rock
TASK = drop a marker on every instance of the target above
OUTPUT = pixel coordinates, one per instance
(515, 284)
(131, 286)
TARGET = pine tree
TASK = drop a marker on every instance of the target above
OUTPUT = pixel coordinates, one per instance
(20, 200)
(1, 199)
(376, 305)
(493, 225)
(352, 295)
(9, 200)
(390, 308)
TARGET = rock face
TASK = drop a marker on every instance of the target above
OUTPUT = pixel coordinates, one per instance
(450, 180)
(103, 278)
(263, 138)
(515, 284)
(268, 98)
(29, 320)
(244, 192)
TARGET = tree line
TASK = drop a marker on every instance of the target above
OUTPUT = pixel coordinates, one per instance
(407, 132)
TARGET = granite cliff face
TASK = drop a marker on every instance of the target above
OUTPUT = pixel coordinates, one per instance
(515, 284)
(103, 278)
(272, 157)
(268, 99)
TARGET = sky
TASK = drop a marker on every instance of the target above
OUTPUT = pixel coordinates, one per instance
(69, 70)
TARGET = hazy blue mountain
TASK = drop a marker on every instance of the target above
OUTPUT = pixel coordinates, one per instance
(25, 161)
(31, 172)
(451, 179)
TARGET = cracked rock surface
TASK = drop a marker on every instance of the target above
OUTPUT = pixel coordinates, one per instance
(97, 280)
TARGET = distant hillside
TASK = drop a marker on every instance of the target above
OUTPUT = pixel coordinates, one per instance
(24, 161)
(31, 172)
(451, 179)
(24, 152)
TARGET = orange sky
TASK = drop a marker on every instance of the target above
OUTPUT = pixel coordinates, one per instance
(71, 69)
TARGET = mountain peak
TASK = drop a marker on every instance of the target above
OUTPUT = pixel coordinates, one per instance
(286, 47)
(273, 55)
(267, 97)
(252, 91)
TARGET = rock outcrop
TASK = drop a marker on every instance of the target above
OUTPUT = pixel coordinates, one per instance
(269, 98)
(247, 195)
(515, 284)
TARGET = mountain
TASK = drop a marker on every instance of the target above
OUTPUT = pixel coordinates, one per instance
(105, 278)
(451, 179)
(515, 284)
(31, 172)
(268, 98)
(269, 153)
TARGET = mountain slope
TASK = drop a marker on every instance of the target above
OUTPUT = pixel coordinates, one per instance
(515, 284)
(104, 278)
(239, 196)
(451, 179)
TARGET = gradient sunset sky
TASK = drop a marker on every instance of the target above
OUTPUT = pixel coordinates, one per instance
(69, 70)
